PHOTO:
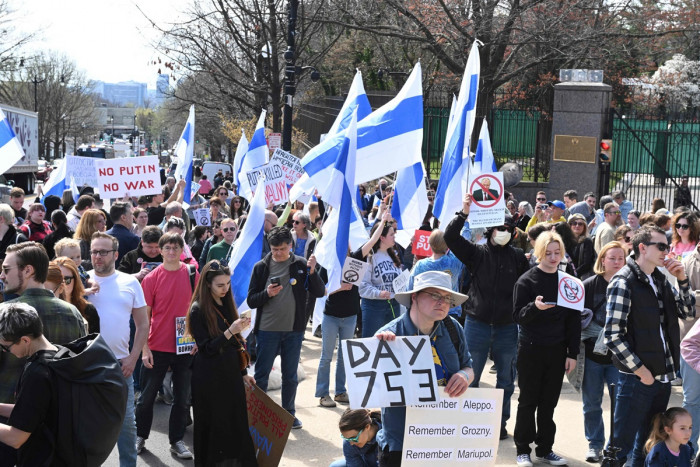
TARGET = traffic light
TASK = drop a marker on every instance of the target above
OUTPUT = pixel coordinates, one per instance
(605, 155)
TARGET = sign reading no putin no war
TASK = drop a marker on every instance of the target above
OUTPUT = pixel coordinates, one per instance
(137, 176)
(389, 374)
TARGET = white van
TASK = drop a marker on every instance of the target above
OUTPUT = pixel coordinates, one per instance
(210, 168)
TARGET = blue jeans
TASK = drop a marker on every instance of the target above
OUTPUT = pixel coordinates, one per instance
(691, 397)
(595, 377)
(151, 382)
(288, 346)
(338, 463)
(636, 405)
(127, 437)
(503, 342)
(334, 330)
(377, 313)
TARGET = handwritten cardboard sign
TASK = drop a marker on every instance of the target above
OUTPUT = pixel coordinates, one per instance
(389, 374)
(454, 431)
(183, 343)
(291, 165)
(275, 185)
(488, 204)
(269, 426)
(82, 169)
(137, 176)
(421, 247)
(354, 270)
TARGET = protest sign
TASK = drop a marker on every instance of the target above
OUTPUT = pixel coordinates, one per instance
(194, 189)
(389, 374)
(488, 205)
(269, 426)
(137, 176)
(82, 169)
(202, 216)
(571, 292)
(183, 344)
(354, 270)
(455, 430)
(274, 141)
(400, 283)
(276, 191)
(291, 165)
(421, 247)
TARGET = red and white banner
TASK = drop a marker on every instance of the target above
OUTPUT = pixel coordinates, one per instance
(137, 176)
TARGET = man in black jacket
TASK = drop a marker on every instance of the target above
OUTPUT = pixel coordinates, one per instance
(495, 267)
(278, 289)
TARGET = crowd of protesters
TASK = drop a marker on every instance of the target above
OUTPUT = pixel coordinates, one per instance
(130, 271)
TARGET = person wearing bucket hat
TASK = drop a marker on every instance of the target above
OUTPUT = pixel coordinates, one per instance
(489, 327)
(428, 303)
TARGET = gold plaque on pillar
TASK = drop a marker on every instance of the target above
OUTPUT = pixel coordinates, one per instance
(575, 148)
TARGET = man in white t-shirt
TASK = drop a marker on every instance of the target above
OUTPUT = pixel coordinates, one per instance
(120, 297)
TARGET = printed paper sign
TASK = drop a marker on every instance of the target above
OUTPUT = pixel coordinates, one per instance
(454, 431)
(488, 205)
(389, 374)
(401, 282)
(274, 141)
(202, 216)
(421, 247)
(194, 188)
(82, 169)
(571, 292)
(276, 191)
(354, 270)
(183, 344)
(269, 426)
(291, 165)
(137, 176)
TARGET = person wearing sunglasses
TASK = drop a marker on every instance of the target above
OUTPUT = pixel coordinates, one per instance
(489, 327)
(304, 239)
(686, 233)
(583, 254)
(623, 235)
(642, 331)
(358, 429)
(221, 434)
(605, 233)
(222, 250)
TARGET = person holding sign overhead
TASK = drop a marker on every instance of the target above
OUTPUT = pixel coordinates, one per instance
(429, 302)
(548, 346)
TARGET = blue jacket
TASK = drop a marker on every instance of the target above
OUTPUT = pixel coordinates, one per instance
(127, 240)
(394, 418)
(660, 456)
(366, 456)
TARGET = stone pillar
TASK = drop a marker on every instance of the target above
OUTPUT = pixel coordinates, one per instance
(580, 113)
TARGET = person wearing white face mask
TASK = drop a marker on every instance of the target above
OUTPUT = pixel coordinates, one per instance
(495, 268)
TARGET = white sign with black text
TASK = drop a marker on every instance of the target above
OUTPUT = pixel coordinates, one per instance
(389, 374)
(202, 216)
(488, 203)
(354, 270)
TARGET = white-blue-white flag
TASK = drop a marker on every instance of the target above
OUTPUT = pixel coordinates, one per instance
(451, 121)
(257, 154)
(484, 162)
(410, 201)
(388, 139)
(185, 156)
(356, 101)
(451, 187)
(247, 250)
(57, 183)
(241, 149)
(332, 249)
(10, 149)
(74, 189)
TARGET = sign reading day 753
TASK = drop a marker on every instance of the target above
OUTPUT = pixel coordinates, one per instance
(389, 374)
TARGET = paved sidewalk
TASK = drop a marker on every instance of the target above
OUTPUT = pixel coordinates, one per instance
(318, 443)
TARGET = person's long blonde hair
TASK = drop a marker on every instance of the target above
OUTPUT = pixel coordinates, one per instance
(88, 224)
(662, 421)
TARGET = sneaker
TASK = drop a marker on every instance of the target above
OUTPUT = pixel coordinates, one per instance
(342, 398)
(493, 370)
(317, 332)
(678, 381)
(297, 424)
(140, 444)
(180, 450)
(523, 460)
(594, 455)
(326, 401)
(164, 399)
(552, 459)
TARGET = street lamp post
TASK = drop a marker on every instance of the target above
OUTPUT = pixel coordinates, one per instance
(290, 75)
(111, 118)
(35, 81)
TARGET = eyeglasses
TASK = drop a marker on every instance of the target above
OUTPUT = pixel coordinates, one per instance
(354, 438)
(298, 222)
(437, 298)
(237, 201)
(541, 199)
(628, 239)
(682, 226)
(102, 253)
(6, 348)
(68, 279)
(504, 228)
(662, 246)
(578, 224)
(614, 212)
(226, 229)
(215, 265)
(168, 249)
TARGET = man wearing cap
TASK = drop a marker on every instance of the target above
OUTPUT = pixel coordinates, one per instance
(429, 303)
(489, 328)
(682, 196)
(556, 214)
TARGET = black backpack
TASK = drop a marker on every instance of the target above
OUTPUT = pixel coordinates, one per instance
(91, 395)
